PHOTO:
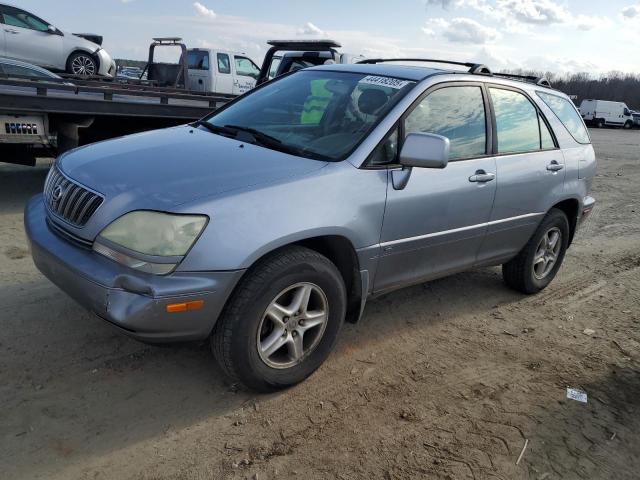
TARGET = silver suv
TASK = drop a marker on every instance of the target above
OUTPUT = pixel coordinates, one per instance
(267, 224)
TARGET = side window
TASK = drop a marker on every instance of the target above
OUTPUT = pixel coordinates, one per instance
(19, 18)
(386, 152)
(246, 67)
(223, 63)
(518, 125)
(456, 113)
(567, 114)
(273, 68)
(198, 60)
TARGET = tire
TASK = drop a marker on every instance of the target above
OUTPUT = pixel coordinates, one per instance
(244, 329)
(628, 126)
(82, 64)
(520, 273)
(600, 123)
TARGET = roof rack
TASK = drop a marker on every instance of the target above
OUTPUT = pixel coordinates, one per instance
(542, 81)
(165, 40)
(475, 68)
(307, 44)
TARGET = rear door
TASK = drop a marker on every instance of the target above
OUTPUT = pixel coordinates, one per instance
(199, 64)
(530, 169)
(223, 77)
(27, 38)
(436, 223)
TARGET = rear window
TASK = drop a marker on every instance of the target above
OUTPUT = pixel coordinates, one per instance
(567, 114)
(198, 60)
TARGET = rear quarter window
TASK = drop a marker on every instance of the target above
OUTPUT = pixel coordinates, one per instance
(568, 116)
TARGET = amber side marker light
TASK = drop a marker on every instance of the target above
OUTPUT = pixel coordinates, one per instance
(185, 307)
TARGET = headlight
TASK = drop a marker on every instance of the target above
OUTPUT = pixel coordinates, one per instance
(153, 242)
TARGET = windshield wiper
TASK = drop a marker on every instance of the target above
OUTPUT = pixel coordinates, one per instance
(214, 128)
(261, 137)
(258, 137)
(267, 141)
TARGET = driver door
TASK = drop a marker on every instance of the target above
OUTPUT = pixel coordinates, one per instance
(28, 38)
(435, 224)
(246, 74)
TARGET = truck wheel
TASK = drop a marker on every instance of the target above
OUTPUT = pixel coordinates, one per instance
(600, 123)
(628, 125)
(282, 321)
(83, 64)
(538, 262)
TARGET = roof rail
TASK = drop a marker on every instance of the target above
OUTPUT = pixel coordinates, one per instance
(542, 81)
(304, 44)
(475, 68)
(169, 40)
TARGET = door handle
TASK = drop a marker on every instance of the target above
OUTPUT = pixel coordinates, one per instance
(554, 166)
(481, 176)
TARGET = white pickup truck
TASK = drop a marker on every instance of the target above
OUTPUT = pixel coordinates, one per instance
(220, 71)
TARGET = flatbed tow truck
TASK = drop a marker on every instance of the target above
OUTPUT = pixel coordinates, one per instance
(46, 117)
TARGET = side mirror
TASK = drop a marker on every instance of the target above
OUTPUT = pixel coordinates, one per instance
(52, 30)
(425, 150)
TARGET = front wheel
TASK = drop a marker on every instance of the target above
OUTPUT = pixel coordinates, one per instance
(82, 64)
(600, 123)
(538, 262)
(282, 321)
(628, 125)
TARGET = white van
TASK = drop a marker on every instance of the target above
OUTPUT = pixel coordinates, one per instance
(603, 112)
(220, 71)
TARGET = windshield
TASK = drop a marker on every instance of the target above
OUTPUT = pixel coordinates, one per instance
(314, 114)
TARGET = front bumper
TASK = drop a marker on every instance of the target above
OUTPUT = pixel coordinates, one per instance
(107, 66)
(132, 301)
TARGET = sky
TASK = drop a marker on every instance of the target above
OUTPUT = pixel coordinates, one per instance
(560, 36)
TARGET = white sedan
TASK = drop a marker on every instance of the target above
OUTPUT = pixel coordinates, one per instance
(23, 36)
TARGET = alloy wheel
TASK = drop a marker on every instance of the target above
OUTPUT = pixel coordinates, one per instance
(292, 325)
(83, 65)
(547, 253)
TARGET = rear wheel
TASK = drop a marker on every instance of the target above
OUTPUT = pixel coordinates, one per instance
(82, 64)
(282, 321)
(538, 262)
(600, 123)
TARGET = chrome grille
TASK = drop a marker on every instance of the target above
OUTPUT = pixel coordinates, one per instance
(68, 200)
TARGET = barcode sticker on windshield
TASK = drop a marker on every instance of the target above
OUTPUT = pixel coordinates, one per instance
(385, 81)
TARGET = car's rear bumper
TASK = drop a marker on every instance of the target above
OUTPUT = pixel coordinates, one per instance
(588, 205)
(134, 302)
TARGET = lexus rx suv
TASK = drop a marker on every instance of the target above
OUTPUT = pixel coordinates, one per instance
(268, 224)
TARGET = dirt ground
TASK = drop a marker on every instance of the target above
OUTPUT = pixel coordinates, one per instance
(443, 380)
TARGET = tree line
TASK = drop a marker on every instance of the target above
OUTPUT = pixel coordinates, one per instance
(615, 86)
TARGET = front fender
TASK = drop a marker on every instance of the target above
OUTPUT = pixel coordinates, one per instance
(339, 200)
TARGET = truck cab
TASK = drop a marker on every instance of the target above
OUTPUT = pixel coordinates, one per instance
(286, 56)
(220, 71)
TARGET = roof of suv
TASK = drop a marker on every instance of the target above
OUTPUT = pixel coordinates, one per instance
(418, 73)
(407, 72)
